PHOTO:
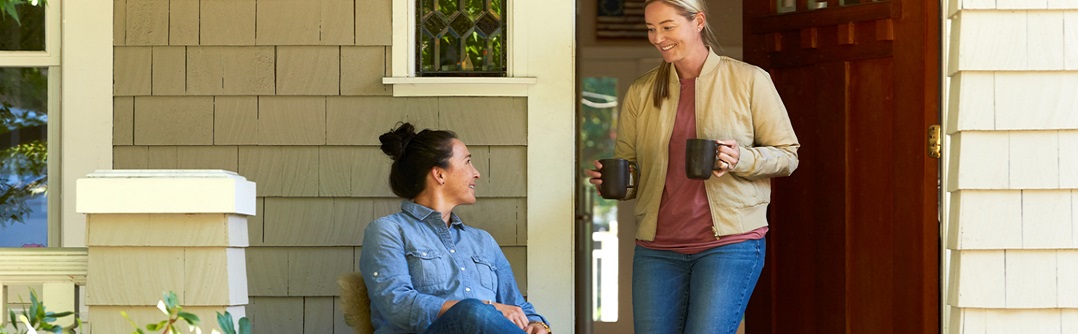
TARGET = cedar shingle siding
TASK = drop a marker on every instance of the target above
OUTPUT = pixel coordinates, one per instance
(288, 93)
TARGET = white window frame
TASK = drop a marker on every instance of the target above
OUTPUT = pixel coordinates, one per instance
(405, 83)
(86, 132)
(51, 55)
(49, 58)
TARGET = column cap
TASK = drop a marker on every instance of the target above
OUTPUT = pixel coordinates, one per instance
(164, 191)
(164, 173)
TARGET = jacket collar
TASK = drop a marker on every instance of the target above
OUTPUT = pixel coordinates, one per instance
(711, 64)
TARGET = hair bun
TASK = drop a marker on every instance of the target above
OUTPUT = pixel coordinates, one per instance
(395, 142)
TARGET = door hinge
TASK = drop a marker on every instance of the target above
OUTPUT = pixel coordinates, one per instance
(934, 141)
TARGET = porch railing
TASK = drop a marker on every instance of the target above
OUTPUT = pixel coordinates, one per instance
(60, 271)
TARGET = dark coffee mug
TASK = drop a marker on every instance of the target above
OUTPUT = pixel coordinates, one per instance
(699, 158)
(616, 178)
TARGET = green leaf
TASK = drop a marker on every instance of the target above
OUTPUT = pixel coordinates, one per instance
(9, 9)
(171, 300)
(154, 327)
(225, 321)
(59, 315)
(132, 322)
(245, 326)
(71, 330)
(190, 318)
(36, 310)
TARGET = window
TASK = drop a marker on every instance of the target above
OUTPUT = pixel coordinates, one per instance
(470, 48)
(29, 63)
(460, 38)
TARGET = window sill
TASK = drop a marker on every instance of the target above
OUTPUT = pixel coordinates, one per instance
(445, 86)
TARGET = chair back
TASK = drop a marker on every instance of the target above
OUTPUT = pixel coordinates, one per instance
(355, 304)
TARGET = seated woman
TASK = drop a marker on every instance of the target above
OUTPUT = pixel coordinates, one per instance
(427, 272)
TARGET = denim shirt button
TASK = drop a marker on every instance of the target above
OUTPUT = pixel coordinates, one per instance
(452, 250)
(461, 268)
(375, 273)
(468, 289)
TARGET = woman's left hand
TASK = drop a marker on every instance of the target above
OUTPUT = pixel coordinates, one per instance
(535, 328)
(727, 154)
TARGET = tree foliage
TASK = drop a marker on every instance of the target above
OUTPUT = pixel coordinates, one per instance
(10, 8)
(23, 140)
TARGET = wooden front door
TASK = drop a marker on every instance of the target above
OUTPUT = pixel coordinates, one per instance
(854, 240)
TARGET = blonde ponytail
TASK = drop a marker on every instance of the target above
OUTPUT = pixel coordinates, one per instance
(661, 89)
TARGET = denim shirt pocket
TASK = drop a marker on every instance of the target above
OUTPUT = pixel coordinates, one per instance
(426, 267)
(487, 272)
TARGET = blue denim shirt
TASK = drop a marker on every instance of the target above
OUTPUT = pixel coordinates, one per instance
(412, 264)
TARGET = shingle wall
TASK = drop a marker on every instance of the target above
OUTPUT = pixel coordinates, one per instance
(1013, 122)
(288, 93)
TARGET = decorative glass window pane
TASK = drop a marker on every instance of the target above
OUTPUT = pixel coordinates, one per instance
(23, 156)
(460, 38)
(814, 4)
(26, 34)
(786, 6)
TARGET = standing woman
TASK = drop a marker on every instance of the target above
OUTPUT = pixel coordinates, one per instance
(700, 243)
(427, 272)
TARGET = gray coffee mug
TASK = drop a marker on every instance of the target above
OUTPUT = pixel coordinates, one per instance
(616, 178)
(699, 158)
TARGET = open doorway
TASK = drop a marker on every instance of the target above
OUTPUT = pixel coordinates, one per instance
(613, 50)
(854, 244)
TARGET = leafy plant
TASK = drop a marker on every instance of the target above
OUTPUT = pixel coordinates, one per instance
(35, 319)
(8, 7)
(225, 321)
(175, 313)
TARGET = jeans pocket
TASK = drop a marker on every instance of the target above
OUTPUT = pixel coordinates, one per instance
(426, 267)
(488, 274)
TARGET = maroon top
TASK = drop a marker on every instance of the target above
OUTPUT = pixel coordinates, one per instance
(684, 222)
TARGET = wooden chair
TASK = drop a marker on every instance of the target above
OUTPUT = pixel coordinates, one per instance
(355, 304)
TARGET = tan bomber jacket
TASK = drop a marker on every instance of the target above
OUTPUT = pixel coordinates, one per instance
(734, 100)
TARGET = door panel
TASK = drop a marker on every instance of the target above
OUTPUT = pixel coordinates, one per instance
(801, 270)
(854, 236)
(870, 222)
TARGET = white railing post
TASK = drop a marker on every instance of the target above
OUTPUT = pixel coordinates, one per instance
(153, 231)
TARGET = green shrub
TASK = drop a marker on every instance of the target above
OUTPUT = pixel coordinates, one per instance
(35, 320)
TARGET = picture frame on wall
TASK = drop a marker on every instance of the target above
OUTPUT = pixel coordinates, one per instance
(621, 19)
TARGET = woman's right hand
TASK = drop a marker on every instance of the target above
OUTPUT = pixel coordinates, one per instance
(513, 313)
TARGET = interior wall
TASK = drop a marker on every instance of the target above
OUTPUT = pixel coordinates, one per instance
(725, 19)
(627, 59)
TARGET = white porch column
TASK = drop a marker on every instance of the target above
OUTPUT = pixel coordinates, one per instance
(153, 231)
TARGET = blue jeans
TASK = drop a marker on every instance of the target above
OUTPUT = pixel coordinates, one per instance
(471, 316)
(699, 293)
